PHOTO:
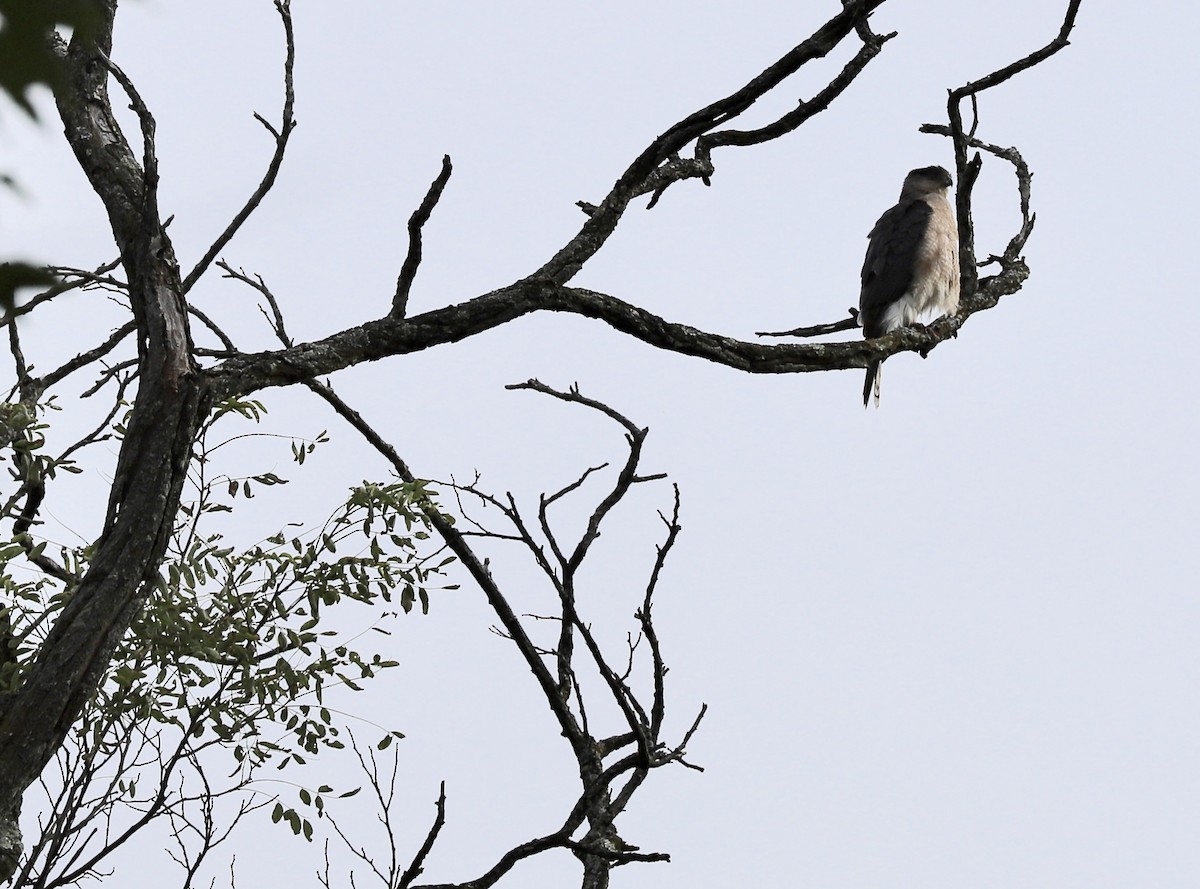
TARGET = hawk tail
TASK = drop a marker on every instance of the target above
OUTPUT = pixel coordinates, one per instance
(874, 372)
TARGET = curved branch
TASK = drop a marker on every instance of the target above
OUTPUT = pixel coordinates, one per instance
(243, 374)
(968, 171)
(1024, 188)
(281, 136)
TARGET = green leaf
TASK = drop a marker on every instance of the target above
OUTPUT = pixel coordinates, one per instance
(28, 57)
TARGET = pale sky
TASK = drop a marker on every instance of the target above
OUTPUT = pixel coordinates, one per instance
(951, 642)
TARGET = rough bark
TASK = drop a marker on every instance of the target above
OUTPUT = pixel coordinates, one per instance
(154, 455)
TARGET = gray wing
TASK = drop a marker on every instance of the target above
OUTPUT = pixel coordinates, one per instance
(887, 271)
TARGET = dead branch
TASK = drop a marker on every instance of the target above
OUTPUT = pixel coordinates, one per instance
(418, 863)
(968, 170)
(850, 323)
(83, 359)
(408, 271)
(247, 373)
(73, 279)
(281, 136)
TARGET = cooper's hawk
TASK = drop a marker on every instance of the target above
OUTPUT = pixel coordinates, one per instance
(912, 262)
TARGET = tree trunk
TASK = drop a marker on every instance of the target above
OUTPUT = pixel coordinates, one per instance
(152, 466)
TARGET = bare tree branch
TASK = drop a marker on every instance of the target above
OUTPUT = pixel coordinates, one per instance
(417, 867)
(281, 136)
(872, 46)
(968, 171)
(1024, 188)
(212, 326)
(850, 323)
(83, 359)
(275, 319)
(247, 373)
(458, 545)
(408, 271)
(110, 373)
(81, 279)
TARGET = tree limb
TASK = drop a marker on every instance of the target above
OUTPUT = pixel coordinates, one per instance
(243, 374)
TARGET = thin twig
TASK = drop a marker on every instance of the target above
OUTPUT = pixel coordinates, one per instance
(83, 359)
(212, 326)
(280, 136)
(659, 668)
(81, 280)
(108, 375)
(275, 319)
(850, 323)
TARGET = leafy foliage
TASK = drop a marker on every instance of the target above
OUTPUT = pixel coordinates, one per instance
(25, 43)
(227, 668)
(29, 61)
(15, 275)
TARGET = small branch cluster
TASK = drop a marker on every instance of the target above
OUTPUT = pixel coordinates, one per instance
(607, 786)
(612, 762)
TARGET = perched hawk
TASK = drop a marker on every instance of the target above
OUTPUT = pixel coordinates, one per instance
(912, 262)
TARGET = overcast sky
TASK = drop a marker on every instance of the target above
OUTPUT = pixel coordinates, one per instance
(951, 642)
